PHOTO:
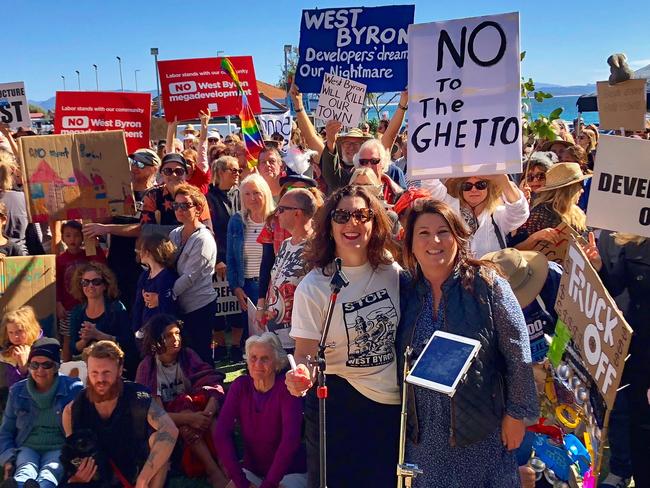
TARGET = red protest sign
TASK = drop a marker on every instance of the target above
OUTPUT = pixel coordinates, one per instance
(191, 85)
(78, 112)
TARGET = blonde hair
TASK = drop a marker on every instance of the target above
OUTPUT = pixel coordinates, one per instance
(7, 167)
(220, 164)
(364, 171)
(492, 199)
(25, 319)
(562, 200)
(257, 180)
(621, 239)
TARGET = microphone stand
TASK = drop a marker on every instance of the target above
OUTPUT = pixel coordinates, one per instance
(339, 281)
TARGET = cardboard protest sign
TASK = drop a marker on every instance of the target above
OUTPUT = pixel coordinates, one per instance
(622, 105)
(598, 330)
(78, 112)
(340, 99)
(621, 181)
(158, 129)
(464, 97)
(14, 108)
(227, 303)
(270, 124)
(77, 176)
(30, 280)
(556, 252)
(368, 45)
(191, 85)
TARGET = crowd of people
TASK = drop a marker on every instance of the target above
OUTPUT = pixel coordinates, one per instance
(455, 255)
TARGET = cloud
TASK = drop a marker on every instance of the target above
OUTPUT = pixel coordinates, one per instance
(640, 63)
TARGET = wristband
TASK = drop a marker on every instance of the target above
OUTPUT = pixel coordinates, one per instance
(298, 110)
(399, 105)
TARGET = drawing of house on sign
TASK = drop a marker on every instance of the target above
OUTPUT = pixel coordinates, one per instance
(49, 192)
(93, 202)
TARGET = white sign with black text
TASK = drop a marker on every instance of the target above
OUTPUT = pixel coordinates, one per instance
(281, 124)
(340, 99)
(14, 109)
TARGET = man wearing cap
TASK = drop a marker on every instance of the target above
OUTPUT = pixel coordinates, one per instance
(31, 435)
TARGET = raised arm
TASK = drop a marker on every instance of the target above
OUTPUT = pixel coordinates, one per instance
(308, 130)
(171, 135)
(202, 158)
(396, 121)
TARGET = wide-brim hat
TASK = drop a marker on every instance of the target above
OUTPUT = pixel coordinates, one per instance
(526, 271)
(548, 144)
(189, 129)
(353, 133)
(563, 174)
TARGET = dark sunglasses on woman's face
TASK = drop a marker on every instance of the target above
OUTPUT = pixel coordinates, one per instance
(178, 172)
(94, 282)
(341, 216)
(479, 185)
(235, 171)
(34, 365)
(539, 177)
(182, 206)
(137, 164)
(366, 162)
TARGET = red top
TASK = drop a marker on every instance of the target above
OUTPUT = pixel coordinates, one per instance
(200, 179)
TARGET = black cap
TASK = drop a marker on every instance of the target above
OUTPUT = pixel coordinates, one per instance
(291, 179)
(174, 158)
(46, 347)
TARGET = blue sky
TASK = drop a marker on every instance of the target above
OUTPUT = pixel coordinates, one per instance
(565, 44)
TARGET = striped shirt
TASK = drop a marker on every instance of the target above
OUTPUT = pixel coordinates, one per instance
(252, 249)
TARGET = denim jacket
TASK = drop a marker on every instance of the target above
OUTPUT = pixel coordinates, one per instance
(21, 412)
(235, 251)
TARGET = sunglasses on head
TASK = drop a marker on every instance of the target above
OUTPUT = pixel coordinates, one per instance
(94, 282)
(341, 216)
(479, 185)
(182, 205)
(136, 163)
(34, 365)
(176, 171)
(366, 162)
(283, 208)
(539, 177)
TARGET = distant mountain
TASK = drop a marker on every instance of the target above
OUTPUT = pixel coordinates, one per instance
(643, 72)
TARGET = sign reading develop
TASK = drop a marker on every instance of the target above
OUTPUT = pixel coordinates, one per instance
(14, 109)
(464, 97)
(78, 112)
(77, 176)
(598, 329)
(621, 181)
(192, 85)
(622, 105)
(340, 99)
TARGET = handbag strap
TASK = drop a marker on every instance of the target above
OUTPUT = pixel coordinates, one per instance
(120, 476)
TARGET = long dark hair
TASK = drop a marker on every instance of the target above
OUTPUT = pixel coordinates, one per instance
(153, 341)
(466, 265)
(320, 251)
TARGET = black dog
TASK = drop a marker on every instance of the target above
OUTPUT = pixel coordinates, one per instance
(80, 445)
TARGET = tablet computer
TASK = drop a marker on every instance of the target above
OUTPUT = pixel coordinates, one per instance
(443, 362)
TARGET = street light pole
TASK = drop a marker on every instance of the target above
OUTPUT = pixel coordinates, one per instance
(136, 79)
(119, 62)
(78, 80)
(63, 78)
(154, 52)
(287, 51)
(96, 77)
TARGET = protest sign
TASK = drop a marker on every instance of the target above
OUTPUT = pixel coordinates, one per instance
(14, 108)
(77, 176)
(30, 280)
(340, 99)
(622, 105)
(464, 97)
(599, 332)
(368, 45)
(191, 85)
(621, 181)
(227, 303)
(556, 252)
(78, 112)
(281, 124)
(158, 129)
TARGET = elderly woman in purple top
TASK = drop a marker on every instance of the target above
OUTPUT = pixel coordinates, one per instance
(270, 420)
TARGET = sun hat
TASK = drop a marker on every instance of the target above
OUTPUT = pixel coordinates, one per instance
(214, 134)
(526, 271)
(189, 129)
(353, 133)
(563, 174)
(549, 144)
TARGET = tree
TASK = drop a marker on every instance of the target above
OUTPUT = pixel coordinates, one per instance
(37, 108)
(286, 77)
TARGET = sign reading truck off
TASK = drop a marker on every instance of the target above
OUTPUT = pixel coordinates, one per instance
(193, 85)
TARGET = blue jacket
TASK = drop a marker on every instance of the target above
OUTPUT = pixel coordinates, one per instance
(235, 251)
(21, 411)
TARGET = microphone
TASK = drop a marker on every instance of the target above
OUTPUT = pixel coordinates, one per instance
(339, 280)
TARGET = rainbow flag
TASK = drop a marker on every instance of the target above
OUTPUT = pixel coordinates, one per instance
(249, 128)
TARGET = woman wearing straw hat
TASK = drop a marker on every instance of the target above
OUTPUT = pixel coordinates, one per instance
(557, 202)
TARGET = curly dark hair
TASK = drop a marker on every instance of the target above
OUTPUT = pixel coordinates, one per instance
(111, 292)
(153, 340)
(320, 251)
(465, 263)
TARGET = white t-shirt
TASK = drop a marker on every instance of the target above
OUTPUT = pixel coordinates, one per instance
(171, 381)
(252, 249)
(363, 326)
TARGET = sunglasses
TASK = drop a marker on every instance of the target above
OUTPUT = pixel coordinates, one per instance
(94, 282)
(539, 177)
(479, 185)
(341, 216)
(137, 164)
(234, 171)
(182, 206)
(34, 365)
(282, 208)
(176, 171)
(366, 162)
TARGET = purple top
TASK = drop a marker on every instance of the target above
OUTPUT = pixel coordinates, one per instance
(270, 425)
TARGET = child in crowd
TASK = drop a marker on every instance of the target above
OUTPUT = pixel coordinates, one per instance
(18, 331)
(154, 291)
(66, 264)
(7, 246)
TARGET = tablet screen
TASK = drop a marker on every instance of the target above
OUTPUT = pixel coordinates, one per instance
(442, 361)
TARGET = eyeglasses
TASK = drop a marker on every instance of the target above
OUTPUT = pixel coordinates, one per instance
(479, 185)
(94, 282)
(176, 171)
(282, 208)
(34, 365)
(341, 216)
(366, 162)
(137, 164)
(182, 206)
(539, 177)
(234, 171)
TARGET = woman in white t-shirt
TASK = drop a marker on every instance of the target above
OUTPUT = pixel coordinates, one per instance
(363, 403)
(244, 253)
